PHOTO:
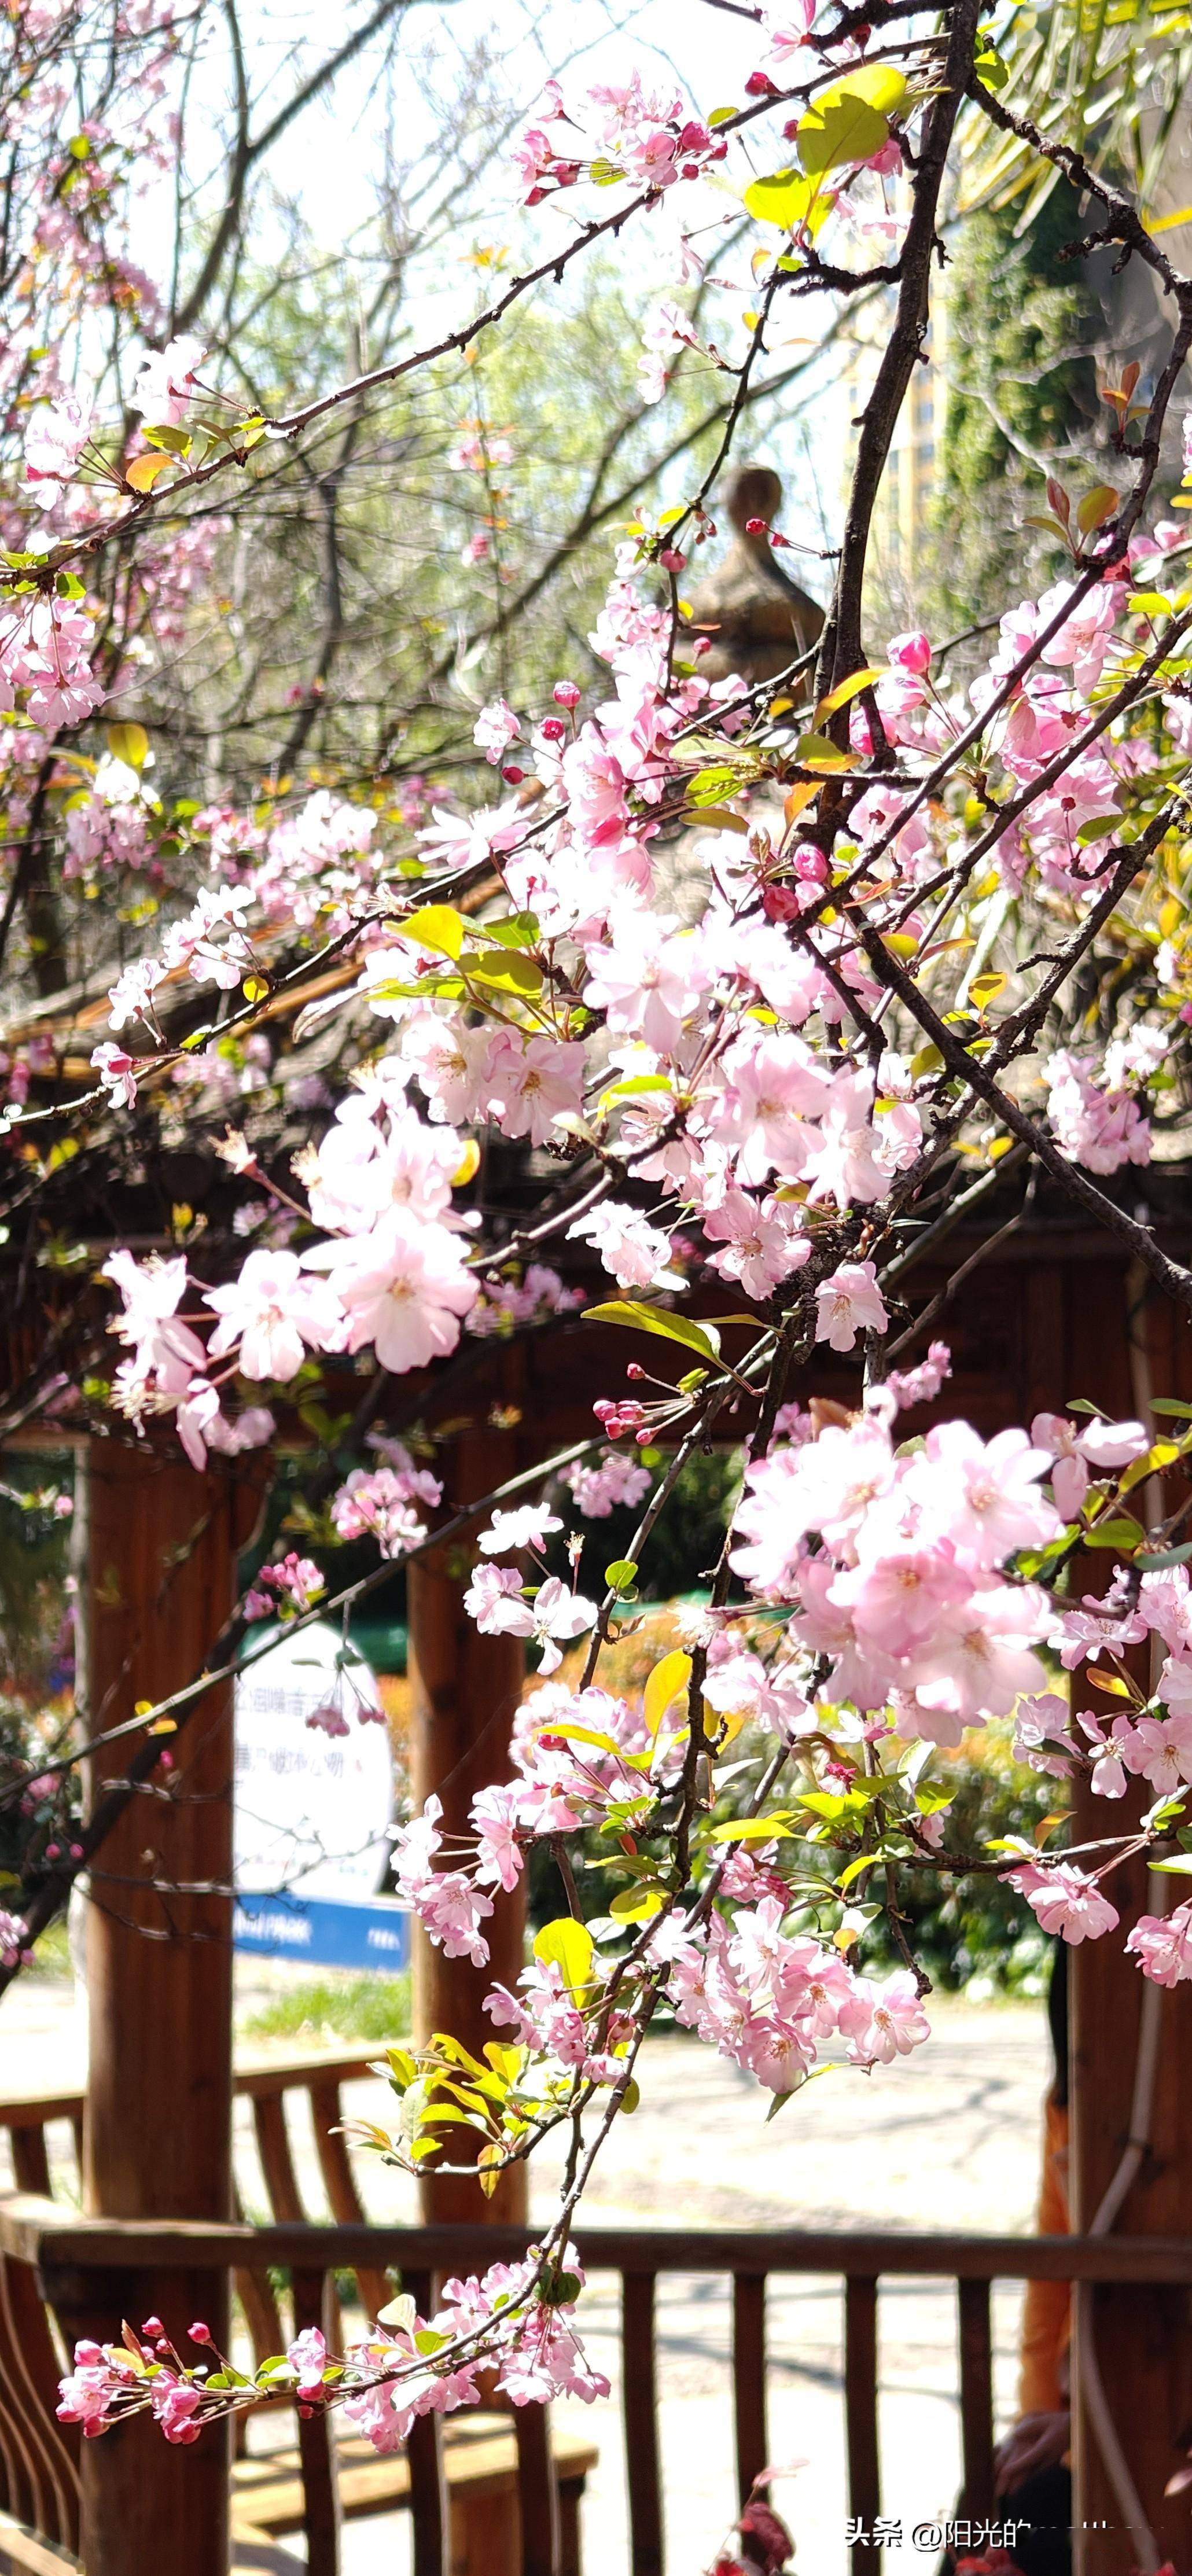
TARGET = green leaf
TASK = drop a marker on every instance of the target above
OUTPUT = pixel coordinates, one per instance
(711, 786)
(1165, 1556)
(1124, 1533)
(568, 1946)
(506, 973)
(519, 930)
(1172, 1404)
(655, 1319)
(176, 442)
(621, 1574)
(818, 751)
(851, 120)
(636, 1904)
(1181, 1868)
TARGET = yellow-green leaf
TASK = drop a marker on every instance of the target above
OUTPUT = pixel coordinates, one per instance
(985, 989)
(665, 1683)
(654, 1319)
(850, 121)
(1096, 507)
(437, 926)
(846, 689)
(505, 971)
(568, 1946)
(636, 1904)
(783, 199)
(818, 751)
(129, 743)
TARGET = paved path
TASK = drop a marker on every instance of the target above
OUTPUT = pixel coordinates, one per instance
(948, 2139)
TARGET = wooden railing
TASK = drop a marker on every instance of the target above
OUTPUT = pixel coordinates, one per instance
(53, 2254)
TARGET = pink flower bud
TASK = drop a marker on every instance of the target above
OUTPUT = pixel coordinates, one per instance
(199, 2333)
(760, 85)
(152, 2327)
(635, 1370)
(512, 775)
(552, 729)
(911, 652)
(671, 559)
(565, 693)
(757, 527)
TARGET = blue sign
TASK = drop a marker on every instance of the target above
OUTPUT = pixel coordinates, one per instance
(323, 1932)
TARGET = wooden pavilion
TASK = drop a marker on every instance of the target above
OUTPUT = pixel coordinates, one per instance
(1049, 1312)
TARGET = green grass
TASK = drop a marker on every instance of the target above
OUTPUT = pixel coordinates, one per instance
(346, 2007)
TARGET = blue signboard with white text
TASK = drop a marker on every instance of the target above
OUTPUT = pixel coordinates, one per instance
(324, 1932)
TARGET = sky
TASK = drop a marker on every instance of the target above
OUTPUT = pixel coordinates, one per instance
(328, 162)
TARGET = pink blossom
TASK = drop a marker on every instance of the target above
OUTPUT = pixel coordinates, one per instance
(273, 1311)
(53, 440)
(1162, 1945)
(534, 1083)
(451, 1910)
(612, 1483)
(493, 1816)
(637, 1254)
(102, 2373)
(14, 1933)
(647, 979)
(883, 2022)
(1102, 1130)
(1066, 1900)
(117, 1073)
(787, 28)
(166, 387)
(175, 2404)
(921, 1385)
(497, 1603)
(848, 1303)
(307, 2356)
(404, 1288)
(495, 728)
(376, 1502)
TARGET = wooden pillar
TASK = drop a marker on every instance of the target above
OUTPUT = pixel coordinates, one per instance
(161, 1552)
(465, 1691)
(1139, 2341)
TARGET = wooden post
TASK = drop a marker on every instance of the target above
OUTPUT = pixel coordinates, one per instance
(1137, 2340)
(161, 1554)
(465, 1692)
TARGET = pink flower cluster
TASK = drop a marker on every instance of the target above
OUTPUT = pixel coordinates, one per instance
(905, 1592)
(286, 1589)
(511, 2321)
(604, 1485)
(766, 1999)
(378, 1503)
(632, 133)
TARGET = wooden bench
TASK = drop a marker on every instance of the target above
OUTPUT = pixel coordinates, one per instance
(48, 2251)
(485, 2461)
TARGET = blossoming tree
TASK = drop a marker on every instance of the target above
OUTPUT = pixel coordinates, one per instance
(768, 983)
